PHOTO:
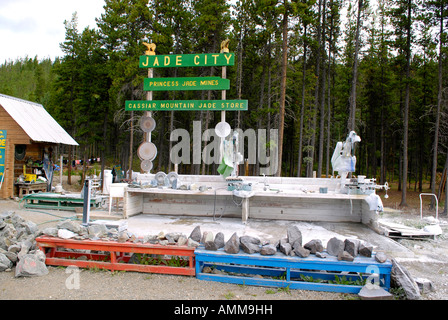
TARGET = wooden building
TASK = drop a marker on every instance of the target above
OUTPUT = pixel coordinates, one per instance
(28, 138)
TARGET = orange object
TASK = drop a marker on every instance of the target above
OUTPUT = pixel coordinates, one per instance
(117, 257)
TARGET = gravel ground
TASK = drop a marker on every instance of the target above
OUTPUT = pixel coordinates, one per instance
(430, 262)
(60, 284)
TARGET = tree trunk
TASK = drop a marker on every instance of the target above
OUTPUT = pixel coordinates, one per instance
(261, 102)
(406, 110)
(439, 106)
(283, 89)
(310, 160)
(445, 211)
(352, 102)
(322, 97)
(302, 108)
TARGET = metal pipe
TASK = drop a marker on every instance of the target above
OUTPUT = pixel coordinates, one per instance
(421, 205)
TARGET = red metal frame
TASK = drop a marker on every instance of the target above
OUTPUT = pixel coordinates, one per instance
(117, 255)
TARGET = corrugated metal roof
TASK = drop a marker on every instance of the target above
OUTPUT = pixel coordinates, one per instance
(38, 124)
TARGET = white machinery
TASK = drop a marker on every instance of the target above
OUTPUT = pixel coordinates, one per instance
(344, 162)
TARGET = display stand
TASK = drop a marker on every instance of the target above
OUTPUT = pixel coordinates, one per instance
(279, 270)
(116, 257)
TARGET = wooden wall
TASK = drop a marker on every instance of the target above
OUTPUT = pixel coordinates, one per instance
(15, 135)
(14, 168)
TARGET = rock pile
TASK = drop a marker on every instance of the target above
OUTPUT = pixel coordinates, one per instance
(291, 245)
(69, 229)
(18, 246)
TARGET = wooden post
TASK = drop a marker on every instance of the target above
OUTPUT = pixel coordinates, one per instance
(224, 49)
(151, 52)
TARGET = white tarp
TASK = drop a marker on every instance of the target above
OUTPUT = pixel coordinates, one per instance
(37, 123)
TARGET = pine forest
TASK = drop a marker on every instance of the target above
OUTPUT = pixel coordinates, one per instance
(313, 69)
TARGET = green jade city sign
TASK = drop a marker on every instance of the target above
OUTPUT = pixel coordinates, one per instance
(151, 60)
(187, 60)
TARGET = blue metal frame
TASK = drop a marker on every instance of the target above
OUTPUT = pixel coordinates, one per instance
(286, 271)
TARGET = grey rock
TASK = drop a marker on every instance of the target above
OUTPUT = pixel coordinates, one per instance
(123, 236)
(321, 255)
(268, 250)
(250, 239)
(17, 220)
(4, 267)
(351, 246)
(15, 248)
(97, 230)
(65, 234)
(233, 244)
(285, 247)
(40, 255)
(314, 246)
(83, 231)
(373, 292)
(112, 233)
(53, 232)
(9, 231)
(149, 238)
(294, 236)
(69, 225)
(424, 285)
(210, 245)
(219, 240)
(174, 236)
(249, 245)
(12, 256)
(3, 243)
(170, 239)
(380, 257)
(217, 271)
(402, 278)
(2, 223)
(345, 256)
(196, 234)
(192, 243)
(207, 269)
(207, 236)
(30, 227)
(30, 265)
(365, 249)
(5, 215)
(301, 252)
(5, 262)
(25, 247)
(335, 246)
(182, 240)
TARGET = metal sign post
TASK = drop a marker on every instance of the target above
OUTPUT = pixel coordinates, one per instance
(86, 206)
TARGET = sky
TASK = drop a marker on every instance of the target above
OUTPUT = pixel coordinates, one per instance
(36, 27)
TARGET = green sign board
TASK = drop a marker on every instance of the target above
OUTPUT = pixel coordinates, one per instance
(199, 83)
(2, 153)
(186, 105)
(187, 60)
